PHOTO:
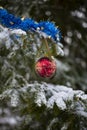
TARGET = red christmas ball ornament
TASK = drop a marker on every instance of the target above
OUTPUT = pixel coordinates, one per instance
(45, 67)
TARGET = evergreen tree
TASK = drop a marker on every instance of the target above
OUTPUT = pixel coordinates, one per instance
(29, 101)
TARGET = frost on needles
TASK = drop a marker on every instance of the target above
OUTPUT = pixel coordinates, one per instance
(30, 96)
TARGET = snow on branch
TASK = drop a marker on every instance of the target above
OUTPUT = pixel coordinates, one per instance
(49, 95)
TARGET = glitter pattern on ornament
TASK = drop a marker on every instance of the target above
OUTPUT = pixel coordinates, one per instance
(45, 67)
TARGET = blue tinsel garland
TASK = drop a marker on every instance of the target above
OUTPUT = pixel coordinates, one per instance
(13, 22)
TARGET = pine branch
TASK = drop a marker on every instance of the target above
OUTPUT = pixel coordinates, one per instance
(46, 105)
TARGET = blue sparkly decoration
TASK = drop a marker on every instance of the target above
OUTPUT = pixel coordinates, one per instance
(29, 24)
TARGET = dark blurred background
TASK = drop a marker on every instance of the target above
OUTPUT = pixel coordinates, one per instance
(71, 17)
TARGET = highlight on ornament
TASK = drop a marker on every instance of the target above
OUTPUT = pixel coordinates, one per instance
(45, 67)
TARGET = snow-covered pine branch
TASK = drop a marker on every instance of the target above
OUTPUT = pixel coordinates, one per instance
(49, 95)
